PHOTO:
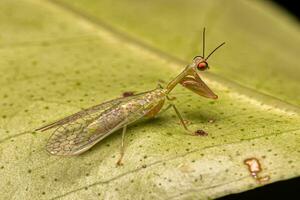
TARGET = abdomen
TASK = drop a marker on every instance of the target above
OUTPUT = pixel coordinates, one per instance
(128, 112)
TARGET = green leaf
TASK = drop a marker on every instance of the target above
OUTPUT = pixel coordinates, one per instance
(60, 56)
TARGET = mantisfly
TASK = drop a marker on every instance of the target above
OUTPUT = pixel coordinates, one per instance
(79, 132)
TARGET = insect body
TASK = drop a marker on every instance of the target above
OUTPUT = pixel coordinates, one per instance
(79, 132)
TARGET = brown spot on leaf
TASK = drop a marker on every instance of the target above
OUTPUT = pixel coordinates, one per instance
(128, 94)
(254, 168)
(201, 132)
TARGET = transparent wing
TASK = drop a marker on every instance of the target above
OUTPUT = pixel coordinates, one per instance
(89, 112)
(80, 131)
(78, 135)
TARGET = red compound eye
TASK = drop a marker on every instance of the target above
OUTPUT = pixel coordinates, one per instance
(202, 66)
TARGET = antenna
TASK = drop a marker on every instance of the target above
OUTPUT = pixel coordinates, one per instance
(203, 43)
(214, 50)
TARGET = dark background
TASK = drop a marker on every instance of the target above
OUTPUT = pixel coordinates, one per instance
(288, 189)
(290, 6)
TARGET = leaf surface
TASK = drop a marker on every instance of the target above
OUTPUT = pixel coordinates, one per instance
(58, 57)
